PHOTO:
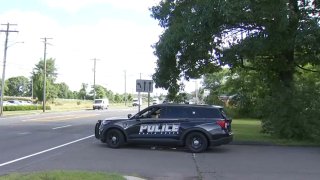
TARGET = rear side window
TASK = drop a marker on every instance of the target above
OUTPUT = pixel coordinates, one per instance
(177, 112)
(207, 113)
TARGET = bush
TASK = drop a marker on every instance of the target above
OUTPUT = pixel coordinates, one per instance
(24, 108)
(293, 114)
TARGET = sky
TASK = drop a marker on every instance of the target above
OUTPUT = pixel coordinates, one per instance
(118, 33)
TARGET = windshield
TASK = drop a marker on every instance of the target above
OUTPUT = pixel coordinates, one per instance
(98, 101)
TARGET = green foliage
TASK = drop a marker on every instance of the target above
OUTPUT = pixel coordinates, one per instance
(241, 91)
(18, 86)
(63, 91)
(181, 98)
(117, 98)
(201, 36)
(286, 113)
(264, 43)
(294, 114)
(25, 108)
(5, 86)
(38, 78)
(83, 91)
(129, 97)
(101, 92)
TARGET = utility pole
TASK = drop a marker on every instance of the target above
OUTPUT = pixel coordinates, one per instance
(31, 88)
(7, 31)
(44, 74)
(139, 98)
(94, 77)
(125, 87)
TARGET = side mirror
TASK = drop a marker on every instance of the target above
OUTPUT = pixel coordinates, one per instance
(129, 116)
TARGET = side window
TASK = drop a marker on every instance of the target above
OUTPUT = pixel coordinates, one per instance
(207, 113)
(146, 113)
(151, 113)
(156, 113)
(177, 112)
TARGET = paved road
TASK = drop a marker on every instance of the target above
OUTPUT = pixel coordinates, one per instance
(65, 141)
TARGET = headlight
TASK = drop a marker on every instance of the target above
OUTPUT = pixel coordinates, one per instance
(104, 122)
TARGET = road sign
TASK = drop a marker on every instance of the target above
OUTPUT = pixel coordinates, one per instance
(144, 85)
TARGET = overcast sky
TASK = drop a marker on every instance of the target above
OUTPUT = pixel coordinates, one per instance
(117, 32)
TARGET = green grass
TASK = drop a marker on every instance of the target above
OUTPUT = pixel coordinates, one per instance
(64, 105)
(60, 105)
(63, 175)
(250, 130)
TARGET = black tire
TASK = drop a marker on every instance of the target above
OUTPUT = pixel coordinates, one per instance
(196, 142)
(114, 138)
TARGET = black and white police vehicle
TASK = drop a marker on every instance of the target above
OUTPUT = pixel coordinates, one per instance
(195, 126)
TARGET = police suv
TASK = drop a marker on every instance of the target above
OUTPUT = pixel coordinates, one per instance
(195, 126)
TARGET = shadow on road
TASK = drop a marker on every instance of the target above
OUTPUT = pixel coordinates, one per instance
(218, 149)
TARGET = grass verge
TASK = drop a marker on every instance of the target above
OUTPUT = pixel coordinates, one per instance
(63, 175)
(61, 105)
(249, 130)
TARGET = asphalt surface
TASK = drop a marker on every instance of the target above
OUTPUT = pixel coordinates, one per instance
(65, 141)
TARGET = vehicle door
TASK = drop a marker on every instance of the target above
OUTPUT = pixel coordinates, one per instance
(178, 118)
(183, 116)
(150, 125)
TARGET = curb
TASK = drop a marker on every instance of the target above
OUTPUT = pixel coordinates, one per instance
(257, 143)
(132, 178)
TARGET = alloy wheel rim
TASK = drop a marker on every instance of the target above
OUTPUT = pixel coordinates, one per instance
(196, 142)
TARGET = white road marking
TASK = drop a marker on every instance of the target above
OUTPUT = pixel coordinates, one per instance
(60, 127)
(24, 133)
(116, 117)
(58, 118)
(44, 151)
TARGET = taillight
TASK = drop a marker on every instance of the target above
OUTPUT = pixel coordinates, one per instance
(222, 123)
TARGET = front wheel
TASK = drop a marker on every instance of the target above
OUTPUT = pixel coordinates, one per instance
(196, 142)
(114, 138)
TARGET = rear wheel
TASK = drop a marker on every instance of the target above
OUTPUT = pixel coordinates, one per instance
(196, 142)
(114, 138)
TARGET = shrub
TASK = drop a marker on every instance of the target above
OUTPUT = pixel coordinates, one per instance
(24, 108)
(293, 114)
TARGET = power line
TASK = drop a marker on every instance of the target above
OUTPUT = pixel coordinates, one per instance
(7, 31)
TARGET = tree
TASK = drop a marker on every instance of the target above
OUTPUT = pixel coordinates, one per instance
(240, 90)
(275, 38)
(18, 86)
(100, 92)
(83, 91)
(201, 36)
(117, 98)
(63, 91)
(5, 87)
(51, 75)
